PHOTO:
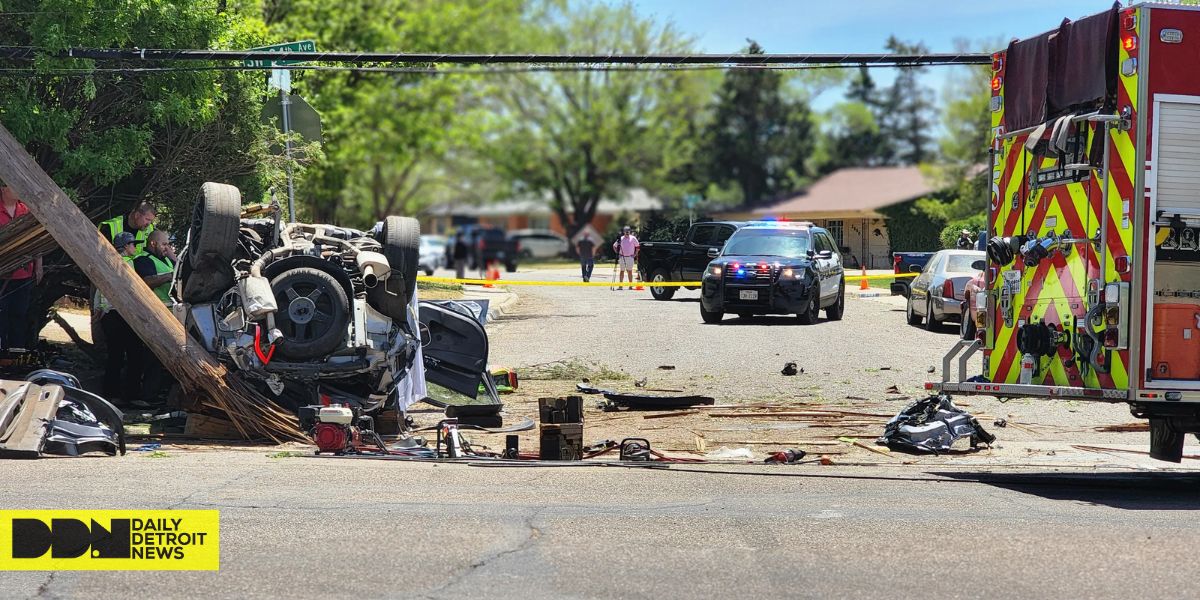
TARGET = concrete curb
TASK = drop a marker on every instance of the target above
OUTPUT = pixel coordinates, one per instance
(497, 308)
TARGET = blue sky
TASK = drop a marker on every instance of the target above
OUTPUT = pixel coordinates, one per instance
(803, 26)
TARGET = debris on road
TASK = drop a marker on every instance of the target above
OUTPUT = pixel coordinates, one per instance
(932, 425)
(666, 367)
(650, 402)
(726, 453)
(1000, 423)
(51, 415)
(1125, 427)
(789, 369)
(785, 457)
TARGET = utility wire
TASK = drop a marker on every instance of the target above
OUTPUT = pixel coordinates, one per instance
(158, 55)
(86, 72)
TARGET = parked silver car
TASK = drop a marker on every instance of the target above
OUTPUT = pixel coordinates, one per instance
(539, 243)
(432, 253)
(937, 294)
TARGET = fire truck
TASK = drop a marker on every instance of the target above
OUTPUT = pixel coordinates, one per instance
(1093, 269)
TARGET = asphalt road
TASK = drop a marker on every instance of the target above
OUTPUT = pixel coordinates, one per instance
(363, 528)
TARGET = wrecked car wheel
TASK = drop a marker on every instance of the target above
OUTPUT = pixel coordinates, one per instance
(313, 313)
(215, 224)
(401, 239)
(661, 292)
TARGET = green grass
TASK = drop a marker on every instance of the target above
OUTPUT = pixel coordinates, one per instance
(572, 370)
(436, 290)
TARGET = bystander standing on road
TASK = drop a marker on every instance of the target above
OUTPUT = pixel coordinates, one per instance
(626, 248)
(586, 248)
(459, 254)
(16, 288)
(124, 360)
(156, 266)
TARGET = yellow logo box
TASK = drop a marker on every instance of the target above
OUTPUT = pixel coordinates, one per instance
(110, 540)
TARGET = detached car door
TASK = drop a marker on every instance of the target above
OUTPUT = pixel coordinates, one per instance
(455, 346)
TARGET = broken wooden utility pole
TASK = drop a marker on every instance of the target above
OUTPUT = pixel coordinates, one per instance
(253, 414)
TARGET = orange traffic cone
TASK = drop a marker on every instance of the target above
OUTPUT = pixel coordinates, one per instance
(492, 274)
(638, 278)
(862, 283)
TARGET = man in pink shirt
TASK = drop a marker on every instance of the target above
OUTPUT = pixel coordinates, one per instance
(627, 250)
(16, 288)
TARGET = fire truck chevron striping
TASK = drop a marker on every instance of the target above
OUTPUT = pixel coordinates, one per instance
(1094, 219)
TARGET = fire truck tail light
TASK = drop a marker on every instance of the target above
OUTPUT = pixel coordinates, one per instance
(997, 82)
(1129, 21)
(997, 62)
(1128, 41)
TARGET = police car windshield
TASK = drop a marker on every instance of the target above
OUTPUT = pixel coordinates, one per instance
(786, 243)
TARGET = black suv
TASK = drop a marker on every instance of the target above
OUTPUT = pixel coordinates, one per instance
(772, 268)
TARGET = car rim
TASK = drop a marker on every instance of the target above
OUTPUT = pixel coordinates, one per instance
(658, 289)
(308, 309)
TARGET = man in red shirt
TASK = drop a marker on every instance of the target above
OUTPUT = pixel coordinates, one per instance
(16, 287)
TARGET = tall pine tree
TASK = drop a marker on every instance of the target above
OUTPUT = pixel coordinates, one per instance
(759, 140)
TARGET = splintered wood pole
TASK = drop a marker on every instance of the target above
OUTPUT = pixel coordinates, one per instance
(198, 372)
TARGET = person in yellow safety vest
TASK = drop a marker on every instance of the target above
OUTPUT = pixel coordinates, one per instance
(124, 352)
(139, 222)
(156, 266)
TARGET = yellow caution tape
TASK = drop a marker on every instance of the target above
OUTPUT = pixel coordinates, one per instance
(849, 278)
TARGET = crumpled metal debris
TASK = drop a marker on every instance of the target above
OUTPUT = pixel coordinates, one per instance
(932, 425)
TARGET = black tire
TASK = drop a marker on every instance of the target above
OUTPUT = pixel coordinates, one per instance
(810, 316)
(711, 317)
(510, 268)
(401, 239)
(428, 271)
(913, 318)
(215, 225)
(931, 324)
(661, 292)
(838, 308)
(967, 328)
(745, 315)
(313, 313)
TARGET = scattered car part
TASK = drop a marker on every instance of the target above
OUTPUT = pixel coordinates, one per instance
(648, 402)
(455, 348)
(38, 419)
(932, 425)
(789, 369)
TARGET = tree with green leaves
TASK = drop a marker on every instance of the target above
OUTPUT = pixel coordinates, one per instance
(397, 142)
(575, 137)
(759, 139)
(906, 110)
(112, 138)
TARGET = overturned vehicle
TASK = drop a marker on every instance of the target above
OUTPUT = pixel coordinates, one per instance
(316, 314)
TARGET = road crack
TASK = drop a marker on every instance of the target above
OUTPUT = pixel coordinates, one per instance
(530, 539)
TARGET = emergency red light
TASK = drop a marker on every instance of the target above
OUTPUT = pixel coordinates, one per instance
(1129, 42)
(1129, 21)
(996, 83)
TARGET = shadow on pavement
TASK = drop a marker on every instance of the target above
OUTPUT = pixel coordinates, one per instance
(1128, 491)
